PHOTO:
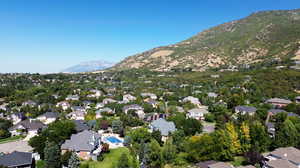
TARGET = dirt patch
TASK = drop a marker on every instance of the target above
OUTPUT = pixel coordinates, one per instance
(162, 53)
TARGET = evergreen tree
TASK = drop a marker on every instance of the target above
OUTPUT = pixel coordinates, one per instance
(169, 151)
(287, 135)
(74, 161)
(260, 139)
(157, 136)
(153, 157)
(52, 155)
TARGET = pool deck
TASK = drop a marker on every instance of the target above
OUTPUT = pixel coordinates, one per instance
(112, 145)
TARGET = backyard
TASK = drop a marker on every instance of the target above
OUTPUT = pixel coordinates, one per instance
(110, 159)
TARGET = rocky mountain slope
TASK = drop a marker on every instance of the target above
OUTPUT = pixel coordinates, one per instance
(260, 37)
(89, 67)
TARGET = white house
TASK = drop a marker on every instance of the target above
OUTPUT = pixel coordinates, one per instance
(198, 113)
(48, 117)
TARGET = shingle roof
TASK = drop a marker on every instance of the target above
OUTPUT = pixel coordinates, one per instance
(80, 125)
(248, 109)
(278, 100)
(280, 163)
(220, 165)
(163, 126)
(50, 115)
(289, 153)
(29, 125)
(83, 141)
(16, 159)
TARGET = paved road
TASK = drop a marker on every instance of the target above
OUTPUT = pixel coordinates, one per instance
(20, 145)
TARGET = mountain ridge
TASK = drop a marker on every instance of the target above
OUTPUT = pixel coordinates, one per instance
(88, 66)
(262, 36)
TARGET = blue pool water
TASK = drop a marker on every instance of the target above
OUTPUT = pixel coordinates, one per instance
(113, 139)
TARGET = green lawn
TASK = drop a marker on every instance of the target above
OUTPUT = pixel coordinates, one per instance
(238, 161)
(110, 159)
(10, 139)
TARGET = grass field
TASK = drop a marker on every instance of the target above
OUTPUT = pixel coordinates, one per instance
(10, 139)
(110, 159)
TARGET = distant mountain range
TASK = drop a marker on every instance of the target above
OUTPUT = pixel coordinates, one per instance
(261, 37)
(89, 67)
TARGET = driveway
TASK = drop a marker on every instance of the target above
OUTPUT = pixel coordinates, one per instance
(20, 145)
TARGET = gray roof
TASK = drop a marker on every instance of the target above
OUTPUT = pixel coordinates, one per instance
(278, 100)
(80, 125)
(133, 107)
(275, 111)
(50, 115)
(16, 159)
(281, 163)
(163, 126)
(205, 164)
(83, 141)
(220, 165)
(29, 125)
(247, 109)
(289, 153)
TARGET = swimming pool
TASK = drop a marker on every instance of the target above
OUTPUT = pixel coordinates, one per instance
(112, 139)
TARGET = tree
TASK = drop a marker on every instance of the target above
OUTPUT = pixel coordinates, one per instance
(253, 157)
(157, 136)
(117, 126)
(260, 139)
(65, 158)
(74, 161)
(153, 157)
(52, 155)
(287, 135)
(123, 161)
(169, 151)
(233, 135)
(245, 139)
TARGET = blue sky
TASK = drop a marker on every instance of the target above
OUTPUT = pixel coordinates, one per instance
(51, 35)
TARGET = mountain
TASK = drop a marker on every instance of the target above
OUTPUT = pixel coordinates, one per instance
(89, 67)
(261, 37)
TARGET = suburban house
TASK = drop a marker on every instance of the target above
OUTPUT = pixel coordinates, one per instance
(243, 110)
(29, 103)
(297, 99)
(80, 125)
(212, 95)
(215, 164)
(17, 160)
(86, 144)
(165, 127)
(99, 105)
(154, 116)
(197, 113)
(273, 112)
(128, 98)
(72, 97)
(95, 93)
(220, 165)
(279, 103)
(283, 157)
(64, 105)
(76, 115)
(16, 117)
(108, 101)
(149, 95)
(27, 127)
(192, 100)
(151, 102)
(48, 117)
(103, 110)
(139, 110)
(271, 129)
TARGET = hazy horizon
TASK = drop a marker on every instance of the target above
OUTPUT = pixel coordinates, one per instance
(49, 36)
